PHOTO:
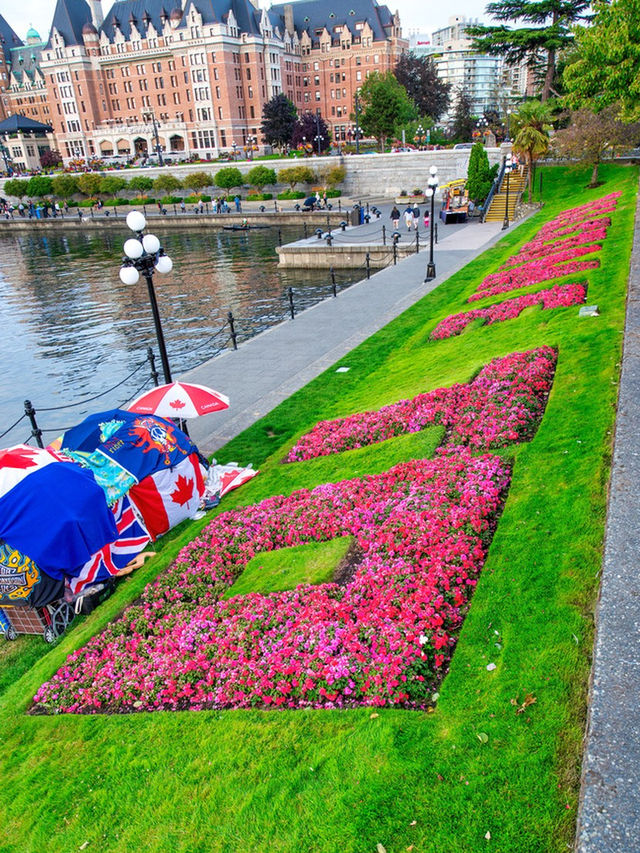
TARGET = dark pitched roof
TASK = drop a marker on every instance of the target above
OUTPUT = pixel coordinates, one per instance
(125, 12)
(19, 122)
(69, 18)
(312, 15)
(8, 39)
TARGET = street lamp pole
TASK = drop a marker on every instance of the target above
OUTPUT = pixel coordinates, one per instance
(7, 167)
(357, 104)
(432, 186)
(507, 167)
(157, 139)
(144, 254)
(508, 121)
(318, 137)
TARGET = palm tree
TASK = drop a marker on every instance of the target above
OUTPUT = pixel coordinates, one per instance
(532, 125)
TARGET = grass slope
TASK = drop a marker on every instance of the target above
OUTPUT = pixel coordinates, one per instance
(348, 781)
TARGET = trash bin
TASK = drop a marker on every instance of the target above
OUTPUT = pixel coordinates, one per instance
(356, 216)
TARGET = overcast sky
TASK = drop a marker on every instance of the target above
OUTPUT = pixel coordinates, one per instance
(425, 15)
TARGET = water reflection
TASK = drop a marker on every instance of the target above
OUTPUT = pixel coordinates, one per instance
(72, 329)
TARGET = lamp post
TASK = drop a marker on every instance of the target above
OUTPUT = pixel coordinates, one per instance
(157, 139)
(481, 126)
(432, 186)
(357, 106)
(319, 138)
(144, 254)
(420, 135)
(234, 147)
(508, 165)
(508, 121)
(7, 167)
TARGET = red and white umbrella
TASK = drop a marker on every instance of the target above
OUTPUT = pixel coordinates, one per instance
(179, 400)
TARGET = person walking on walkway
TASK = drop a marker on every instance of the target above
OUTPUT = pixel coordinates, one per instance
(408, 217)
(416, 216)
(238, 204)
(395, 218)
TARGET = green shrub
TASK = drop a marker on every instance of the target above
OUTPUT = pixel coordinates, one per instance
(39, 186)
(197, 181)
(259, 196)
(115, 202)
(293, 175)
(334, 193)
(194, 199)
(288, 195)
(171, 199)
(89, 184)
(141, 183)
(64, 186)
(141, 201)
(166, 183)
(87, 202)
(260, 177)
(110, 185)
(228, 178)
(17, 187)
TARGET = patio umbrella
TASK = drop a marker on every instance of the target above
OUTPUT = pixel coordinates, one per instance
(179, 400)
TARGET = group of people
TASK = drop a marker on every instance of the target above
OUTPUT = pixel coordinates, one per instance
(411, 217)
(39, 210)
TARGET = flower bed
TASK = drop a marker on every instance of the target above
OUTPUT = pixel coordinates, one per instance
(555, 297)
(384, 638)
(502, 404)
(548, 256)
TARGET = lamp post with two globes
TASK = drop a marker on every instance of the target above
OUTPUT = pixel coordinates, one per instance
(432, 186)
(144, 254)
(508, 166)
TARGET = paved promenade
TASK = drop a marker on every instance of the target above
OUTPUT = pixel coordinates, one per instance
(609, 818)
(270, 367)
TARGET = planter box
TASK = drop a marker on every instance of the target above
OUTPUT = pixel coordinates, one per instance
(413, 199)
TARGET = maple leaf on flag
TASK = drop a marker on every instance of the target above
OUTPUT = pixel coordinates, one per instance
(18, 459)
(183, 491)
(177, 404)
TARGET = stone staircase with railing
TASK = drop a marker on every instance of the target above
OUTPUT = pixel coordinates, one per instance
(497, 208)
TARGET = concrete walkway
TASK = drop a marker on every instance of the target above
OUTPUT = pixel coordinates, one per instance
(270, 367)
(609, 817)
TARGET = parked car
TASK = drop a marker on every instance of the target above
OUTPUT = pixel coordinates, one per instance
(460, 146)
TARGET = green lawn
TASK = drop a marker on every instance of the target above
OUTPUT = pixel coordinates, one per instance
(345, 782)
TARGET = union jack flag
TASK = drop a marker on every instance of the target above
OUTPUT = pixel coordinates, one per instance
(107, 562)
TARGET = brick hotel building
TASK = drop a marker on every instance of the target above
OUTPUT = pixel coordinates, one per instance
(201, 69)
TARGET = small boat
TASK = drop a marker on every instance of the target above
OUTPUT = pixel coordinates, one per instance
(243, 227)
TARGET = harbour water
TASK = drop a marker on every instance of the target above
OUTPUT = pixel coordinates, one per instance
(72, 330)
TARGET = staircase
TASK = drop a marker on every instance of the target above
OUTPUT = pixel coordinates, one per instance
(497, 208)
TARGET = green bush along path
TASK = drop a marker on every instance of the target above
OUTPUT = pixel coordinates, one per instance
(474, 774)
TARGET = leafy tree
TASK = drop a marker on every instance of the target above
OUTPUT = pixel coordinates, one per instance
(141, 183)
(531, 126)
(591, 135)
(546, 31)
(419, 76)
(463, 121)
(480, 174)
(296, 175)
(279, 117)
(17, 187)
(167, 183)
(198, 181)
(64, 186)
(307, 127)
(335, 175)
(111, 185)
(50, 159)
(604, 67)
(89, 184)
(260, 176)
(39, 185)
(228, 177)
(385, 104)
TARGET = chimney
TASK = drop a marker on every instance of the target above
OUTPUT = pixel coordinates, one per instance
(97, 17)
(288, 18)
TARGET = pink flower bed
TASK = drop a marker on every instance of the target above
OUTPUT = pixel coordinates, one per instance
(555, 297)
(502, 404)
(548, 256)
(385, 637)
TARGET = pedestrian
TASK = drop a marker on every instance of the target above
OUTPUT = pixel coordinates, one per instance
(183, 206)
(395, 218)
(66, 206)
(426, 218)
(416, 216)
(408, 217)
(21, 209)
(238, 204)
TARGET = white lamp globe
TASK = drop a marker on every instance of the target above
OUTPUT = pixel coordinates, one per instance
(164, 264)
(433, 170)
(151, 243)
(136, 220)
(129, 275)
(133, 248)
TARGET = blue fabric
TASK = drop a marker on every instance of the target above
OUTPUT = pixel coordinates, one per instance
(58, 516)
(141, 444)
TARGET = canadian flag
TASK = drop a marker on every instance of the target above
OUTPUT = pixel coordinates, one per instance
(18, 462)
(166, 498)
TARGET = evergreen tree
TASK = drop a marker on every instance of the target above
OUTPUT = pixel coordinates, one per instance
(429, 93)
(463, 122)
(547, 31)
(279, 117)
(480, 174)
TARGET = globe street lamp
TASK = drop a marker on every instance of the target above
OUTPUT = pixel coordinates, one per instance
(420, 135)
(508, 166)
(144, 254)
(481, 126)
(233, 150)
(508, 119)
(432, 186)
